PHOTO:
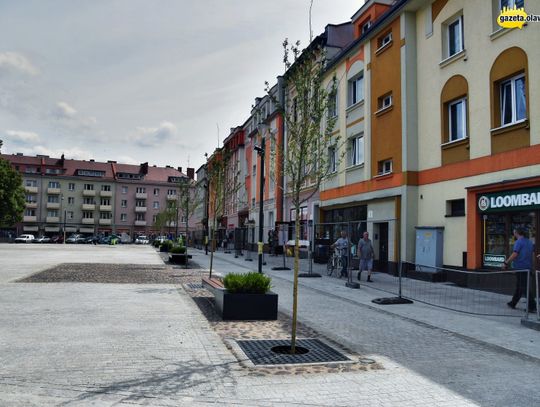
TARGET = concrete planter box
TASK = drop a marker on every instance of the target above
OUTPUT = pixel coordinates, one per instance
(178, 258)
(247, 306)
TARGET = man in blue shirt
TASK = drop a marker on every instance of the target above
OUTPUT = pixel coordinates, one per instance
(521, 259)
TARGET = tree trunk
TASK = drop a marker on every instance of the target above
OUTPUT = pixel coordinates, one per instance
(295, 281)
(212, 246)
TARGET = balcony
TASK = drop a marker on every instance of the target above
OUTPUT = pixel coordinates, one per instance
(105, 208)
(140, 223)
(141, 195)
(88, 192)
(31, 205)
(88, 207)
(88, 221)
(32, 190)
(140, 209)
(53, 205)
(171, 197)
(29, 218)
(53, 191)
(105, 194)
(52, 219)
(105, 221)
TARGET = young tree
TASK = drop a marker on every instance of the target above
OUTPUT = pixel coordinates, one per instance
(307, 152)
(188, 202)
(12, 194)
(223, 181)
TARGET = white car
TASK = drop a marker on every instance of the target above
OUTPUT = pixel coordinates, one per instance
(25, 239)
(142, 240)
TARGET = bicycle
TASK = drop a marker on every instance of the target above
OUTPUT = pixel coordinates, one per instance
(334, 263)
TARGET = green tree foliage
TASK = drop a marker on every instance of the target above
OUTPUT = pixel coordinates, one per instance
(12, 195)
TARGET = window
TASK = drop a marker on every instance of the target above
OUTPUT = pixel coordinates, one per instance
(140, 203)
(124, 189)
(70, 214)
(156, 191)
(30, 170)
(52, 213)
(106, 188)
(71, 186)
(29, 212)
(333, 104)
(90, 173)
(455, 36)
(356, 156)
(105, 215)
(88, 215)
(54, 184)
(171, 192)
(457, 115)
(366, 26)
(332, 164)
(30, 183)
(455, 207)
(71, 200)
(123, 203)
(156, 205)
(53, 199)
(53, 171)
(254, 170)
(88, 187)
(356, 90)
(154, 219)
(89, 201)
(384, 167)
(123, 217)
(511, 3)
(141, 190)
(384, 40)
(31, 198)
(140, 216)
(105, 201)
(385, 101)
(513, 100)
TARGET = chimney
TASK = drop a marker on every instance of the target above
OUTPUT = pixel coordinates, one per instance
(191, 173)
(111, 162)
(92, 160)
(179, 169)
(144, 168)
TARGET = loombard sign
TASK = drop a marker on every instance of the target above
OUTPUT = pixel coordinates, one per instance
(517, 200)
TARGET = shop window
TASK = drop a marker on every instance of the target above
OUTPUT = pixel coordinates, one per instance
(455, 207)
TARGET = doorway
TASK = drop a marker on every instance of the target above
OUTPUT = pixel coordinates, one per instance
(381, 235)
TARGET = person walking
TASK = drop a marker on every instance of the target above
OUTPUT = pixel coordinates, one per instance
(342, 245)
(366, 253)
(521, 259)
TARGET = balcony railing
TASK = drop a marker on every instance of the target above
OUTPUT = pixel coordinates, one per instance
(52, 219)
(105, 194)
(53, 191)
(31, 205)
(171, 197)
(88, 221)
(105, 208)
(88, 192)
(53, 205)
(140, 223)
(105, 221)
(140, 209)
(32, 190)
(29, 218)
(88, 207)
(141, 195)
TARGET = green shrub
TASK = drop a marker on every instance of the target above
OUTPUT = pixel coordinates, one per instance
(178, 250)
(166, 246)
(250, 283)
(156, 243)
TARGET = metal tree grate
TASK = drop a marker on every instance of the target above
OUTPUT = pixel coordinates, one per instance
(194, 286)
(260, 352)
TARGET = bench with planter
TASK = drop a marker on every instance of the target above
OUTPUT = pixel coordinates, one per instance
(242, 305)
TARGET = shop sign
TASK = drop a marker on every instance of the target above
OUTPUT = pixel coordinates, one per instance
(494, 260)
(510, 200)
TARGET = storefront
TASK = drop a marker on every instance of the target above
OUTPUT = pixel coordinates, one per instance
(498, 213)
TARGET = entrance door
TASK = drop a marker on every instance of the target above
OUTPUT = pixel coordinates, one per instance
(383, 246)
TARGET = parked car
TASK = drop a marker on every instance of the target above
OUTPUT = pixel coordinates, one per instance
(42, 239)
(160, 239)
(91, 240)
(25, 239)
(75, 239)
(111, 239)
(142, 240)
(57, 239)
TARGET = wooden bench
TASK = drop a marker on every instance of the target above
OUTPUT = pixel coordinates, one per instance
(214, 285)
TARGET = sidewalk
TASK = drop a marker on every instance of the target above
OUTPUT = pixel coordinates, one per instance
(504, 332)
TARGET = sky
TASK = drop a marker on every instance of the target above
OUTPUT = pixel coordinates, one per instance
(142, 80)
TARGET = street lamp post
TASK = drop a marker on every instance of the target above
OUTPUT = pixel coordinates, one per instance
(64, 227)
(207, 202)
(261, 152)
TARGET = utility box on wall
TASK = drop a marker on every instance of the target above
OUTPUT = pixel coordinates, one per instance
(429, 247)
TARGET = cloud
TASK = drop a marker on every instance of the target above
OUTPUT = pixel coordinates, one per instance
(13, 61)
(73, 153)
(125, 159)
(154, 136)
(64, 111)
(22, 137)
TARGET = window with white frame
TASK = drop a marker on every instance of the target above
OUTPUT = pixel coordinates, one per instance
(385, 101)
(106, 188)
(384, 40)
(123, 203)
(70, 214)
(156, 205)
(71, 200)
(140, 190)
(123, 217)
(455, 36)
(384, 167)
(511, 3)
(88, 187)
(356, 89)
(124, 189)
(29, 212)
(356, 156)
(333, 104)
(89, 201)
(366, 26)
(513, 100)
(88, 215)
(105, 202)
(30, 183)
(457, 119)
(156, 191)
(54, 184)
(52, 213)
(71, 186)
(140, 216)
(332, 159)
